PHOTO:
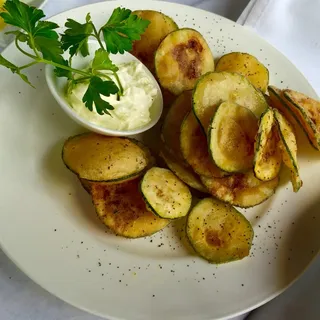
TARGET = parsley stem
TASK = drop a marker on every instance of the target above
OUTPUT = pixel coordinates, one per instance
(79, 80)
(96, 35)
(28, 65)
(16, 40)
(86, 74)
(33, 46)
(119, 83)
(103, 75)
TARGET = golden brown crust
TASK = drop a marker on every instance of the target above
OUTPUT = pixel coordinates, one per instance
(121, 208)
(194, 148)
(160, 25)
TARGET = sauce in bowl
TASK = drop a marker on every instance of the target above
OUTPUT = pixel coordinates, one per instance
(131, 110)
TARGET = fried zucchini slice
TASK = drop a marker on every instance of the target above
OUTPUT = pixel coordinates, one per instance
(170, 132)
(165, 194)
(160, 26)
(216, 87)
(86, 184)
(149, 155)
(288, 147)
(267, 157)
(102, 158)
(246, 65)
(307, 113)
(194, 148)
(218, 232)
(181, 59)
(122, 209)
(168, 97)
(241, 190)
(184, 173)
(277, 101)
(231, 137)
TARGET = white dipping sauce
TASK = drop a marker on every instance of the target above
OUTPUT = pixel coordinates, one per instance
(132, 110)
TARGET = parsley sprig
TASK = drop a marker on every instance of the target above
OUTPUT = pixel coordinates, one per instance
(47, 46)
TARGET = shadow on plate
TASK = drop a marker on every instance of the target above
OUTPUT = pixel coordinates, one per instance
(179, 227)
(302, 243)
(305, 150)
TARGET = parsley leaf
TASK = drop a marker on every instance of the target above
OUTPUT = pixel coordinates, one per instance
(102, 61)
(40, 34)
(46, 40)
(96, 88)
(4, 62)
(21, 15)
(45, 29)
(50, 49)
(122, 29)
(76, 36)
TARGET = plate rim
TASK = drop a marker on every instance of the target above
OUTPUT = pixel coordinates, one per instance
(292, 65)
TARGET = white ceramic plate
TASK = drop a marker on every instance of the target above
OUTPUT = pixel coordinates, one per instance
(49, 229)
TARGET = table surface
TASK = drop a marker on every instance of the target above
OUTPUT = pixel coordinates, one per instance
(22, 299)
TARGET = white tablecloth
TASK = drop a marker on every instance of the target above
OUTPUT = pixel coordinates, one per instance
(22, 299)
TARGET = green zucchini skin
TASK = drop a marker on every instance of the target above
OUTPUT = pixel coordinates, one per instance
(231, 137)
(97, 167)
(122, 209)
(288, 147)
(194, 148)
(218, 232)
(291, 98)
(216, 87)
(183, 172)
(181, 59)
(278, 101)
(160, 26)
(267, 158)
(241, 190)
(165, 194)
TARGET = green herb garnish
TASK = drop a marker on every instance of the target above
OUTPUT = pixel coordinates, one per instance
(115, 36)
